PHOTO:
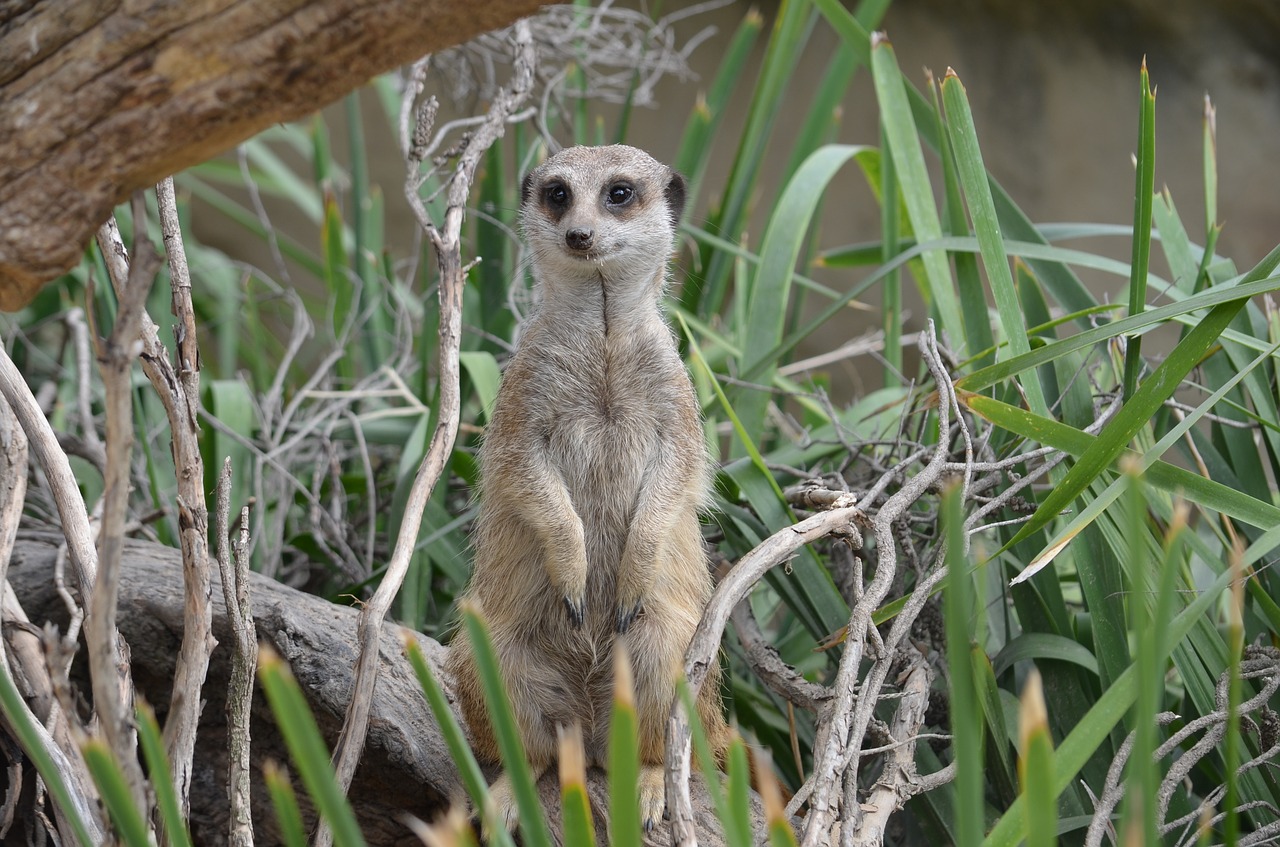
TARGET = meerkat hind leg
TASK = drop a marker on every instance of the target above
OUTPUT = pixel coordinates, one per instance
(502, 799)
(653, 795)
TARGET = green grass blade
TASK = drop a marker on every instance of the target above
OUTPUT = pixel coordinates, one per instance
(737, 826)
(917, 193)
(973, 297)
(1231, 745)
(575, 805)
(1183, 266)
(966, 721)
(1210, 171)
(891, 289)
(114, 789)
(1102, 501)
(1043, 645)
(19, 718)
(1065, 287)
(456, 740)
(777, 824)
(702, 748)
(1133, 416)
(624, 762)
(810, 591)
(533, 821)
(985, 378)
(1036, 767)
(1108, 710)
(1001, 768)
(1142, 780)
(771, 291)
(790, 33)
(175, 828)
(285, 802)
(1143, 192)
(1199, 490)
(307, 748)
(977, 193)
(696, 144)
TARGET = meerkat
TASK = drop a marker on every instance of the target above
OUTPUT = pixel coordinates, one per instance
(593, 468)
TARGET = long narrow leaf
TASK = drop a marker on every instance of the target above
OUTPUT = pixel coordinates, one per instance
(1095, 727)
(533, 822)
(456, 740)
(1135, 414)
(1141, 226)
(111, 783)
(917, 193)
(982, 210)
(175, 828)
(306, 747)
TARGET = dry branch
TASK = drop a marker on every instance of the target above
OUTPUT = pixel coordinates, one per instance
(113, 695)
(102, 99)
(447, 240)
(233, 568)
(705, 645)
(406, 766)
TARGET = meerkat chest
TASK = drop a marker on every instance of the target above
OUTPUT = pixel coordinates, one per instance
(606, 417)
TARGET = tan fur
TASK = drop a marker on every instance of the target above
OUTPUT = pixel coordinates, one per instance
(593, 467)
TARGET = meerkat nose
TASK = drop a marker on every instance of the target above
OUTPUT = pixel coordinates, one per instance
(579, 239)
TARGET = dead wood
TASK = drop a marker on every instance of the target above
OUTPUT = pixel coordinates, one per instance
(98, 100)
(405, 768)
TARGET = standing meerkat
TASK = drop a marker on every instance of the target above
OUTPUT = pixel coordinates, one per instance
(593, 467)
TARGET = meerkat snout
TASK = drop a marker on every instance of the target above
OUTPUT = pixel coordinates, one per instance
(579, 238)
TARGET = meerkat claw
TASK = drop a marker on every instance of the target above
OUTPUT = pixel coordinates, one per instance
(626, 617)
(577, 610)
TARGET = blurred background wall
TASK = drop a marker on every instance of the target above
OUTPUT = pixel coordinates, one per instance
(1055, 91)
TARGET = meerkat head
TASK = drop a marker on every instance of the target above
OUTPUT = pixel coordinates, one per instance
(601, 214)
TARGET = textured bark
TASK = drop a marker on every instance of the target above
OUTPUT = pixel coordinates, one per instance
(406, 766)
(98, 100)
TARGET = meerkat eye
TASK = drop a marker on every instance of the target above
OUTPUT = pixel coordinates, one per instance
(620, 194)
(556, 194)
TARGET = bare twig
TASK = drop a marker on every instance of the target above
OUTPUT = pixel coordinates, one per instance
(448, 247)
(768, 665)
(898, 780)
(233, 566)
(23, 647)
(773, 551)
(108, 653)
(181, 399)
(839, 737)
(57, 470)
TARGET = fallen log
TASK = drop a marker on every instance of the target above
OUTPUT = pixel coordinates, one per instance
(98, 100)
(406, 767)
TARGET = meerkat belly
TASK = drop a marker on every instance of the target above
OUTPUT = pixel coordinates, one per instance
(602, 455)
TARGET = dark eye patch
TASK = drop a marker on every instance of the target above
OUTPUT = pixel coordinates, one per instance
(619, 194)
(557, 195)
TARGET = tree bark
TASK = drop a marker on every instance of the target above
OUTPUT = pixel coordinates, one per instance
(406, 766)
(100, 99)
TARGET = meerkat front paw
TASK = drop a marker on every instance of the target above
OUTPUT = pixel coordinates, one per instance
(634, 584)
(628, 614)
(568, 572)
(577, 609)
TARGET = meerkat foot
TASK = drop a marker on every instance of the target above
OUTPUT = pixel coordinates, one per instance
(502, 800)
(577, 609)
(653, 796)
(627, 615)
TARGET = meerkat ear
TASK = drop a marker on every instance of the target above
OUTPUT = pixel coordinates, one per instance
(675, 197)
(526, 188)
